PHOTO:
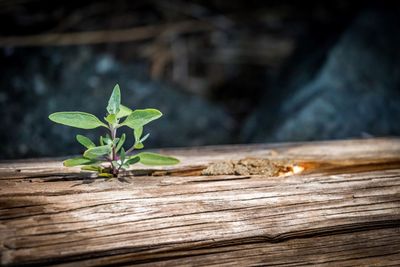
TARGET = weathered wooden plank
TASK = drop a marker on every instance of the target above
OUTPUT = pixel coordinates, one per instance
(366, 248)
(343, 210)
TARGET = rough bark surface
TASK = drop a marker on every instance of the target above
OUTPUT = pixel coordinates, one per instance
(342, 210)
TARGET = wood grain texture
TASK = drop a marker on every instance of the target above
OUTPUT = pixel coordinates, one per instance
(343, 210)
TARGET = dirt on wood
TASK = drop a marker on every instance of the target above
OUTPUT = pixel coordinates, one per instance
(249, 166)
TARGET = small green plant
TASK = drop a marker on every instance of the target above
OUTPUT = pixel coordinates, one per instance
(110, 157)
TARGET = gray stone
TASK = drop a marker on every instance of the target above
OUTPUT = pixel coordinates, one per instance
(356, 92)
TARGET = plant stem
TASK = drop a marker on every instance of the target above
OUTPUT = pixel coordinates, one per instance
(113, 132)
(130, 149)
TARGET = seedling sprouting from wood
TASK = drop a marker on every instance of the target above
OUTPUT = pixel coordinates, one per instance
(110, 157)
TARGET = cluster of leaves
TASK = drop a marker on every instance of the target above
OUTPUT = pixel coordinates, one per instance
(109, 157)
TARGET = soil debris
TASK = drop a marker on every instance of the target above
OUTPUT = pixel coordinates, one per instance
(249, 166)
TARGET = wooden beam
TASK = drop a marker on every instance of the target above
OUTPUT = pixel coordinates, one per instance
(343, 213)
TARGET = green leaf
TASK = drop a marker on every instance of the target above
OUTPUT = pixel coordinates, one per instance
(101, 141)
(132, 160)
(138, 145)
(114, 102)
(77, 161)
(139, 141)
(122, 155)
(148, 158)
(107, 140)
(111, 119)
(137, 132)
(120, 143)
(140, 117)
(104, 174)
(91, 168)
(77, 119)
(115, 164)
(98, 151)
(123, 111)
(86, 142)
(115, 142)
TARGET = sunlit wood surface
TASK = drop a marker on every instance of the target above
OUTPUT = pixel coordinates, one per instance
(342, 210)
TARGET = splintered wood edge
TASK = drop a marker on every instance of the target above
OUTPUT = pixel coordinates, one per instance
(293, 158)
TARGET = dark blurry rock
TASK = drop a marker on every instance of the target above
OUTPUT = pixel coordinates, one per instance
(39, 81)
(356, 93)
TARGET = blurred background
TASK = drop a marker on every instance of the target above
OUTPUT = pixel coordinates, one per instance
(220, 71)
